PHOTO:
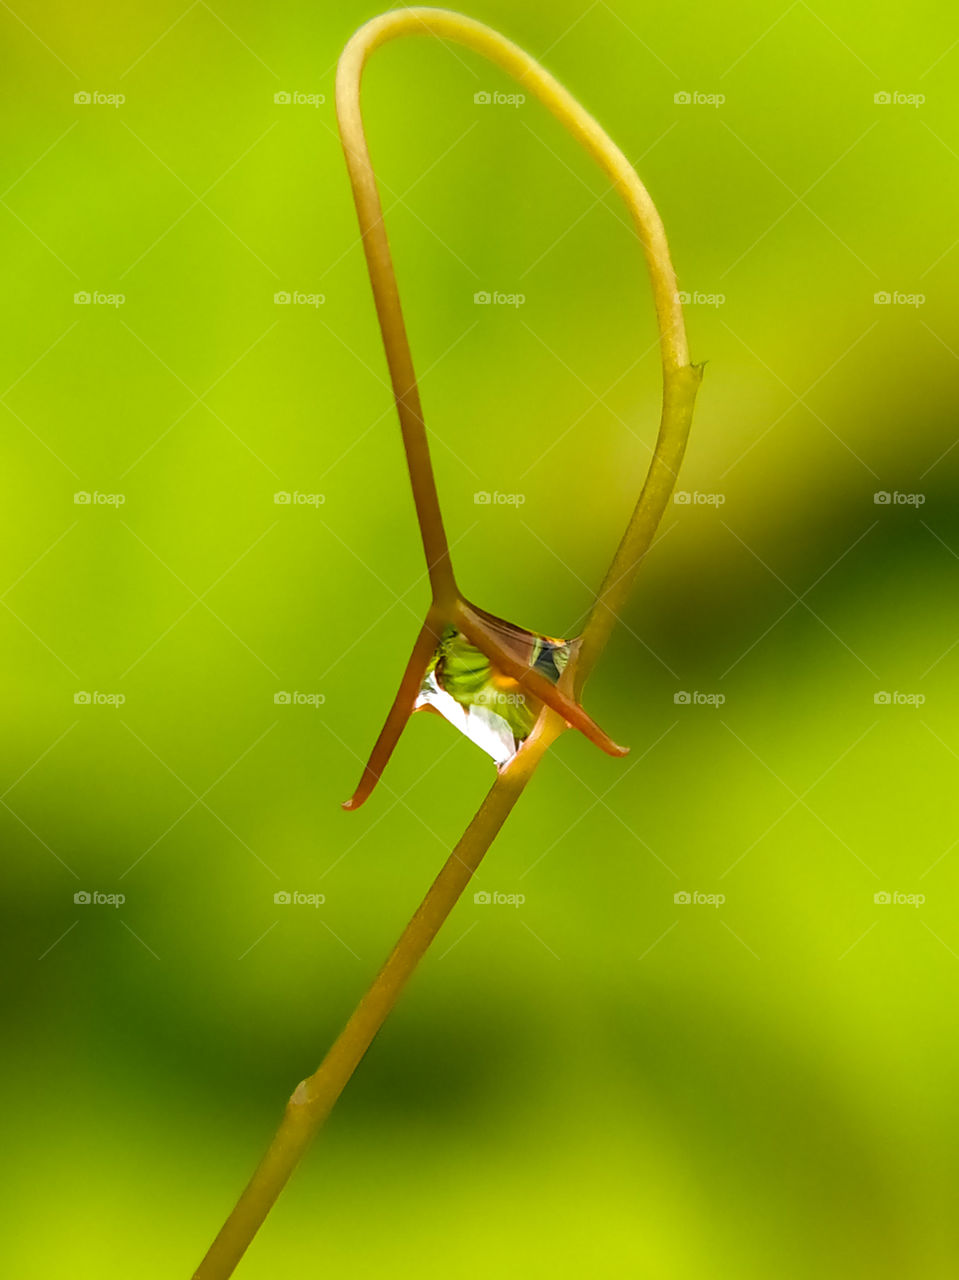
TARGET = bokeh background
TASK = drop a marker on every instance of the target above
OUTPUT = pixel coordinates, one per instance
(603, 1080)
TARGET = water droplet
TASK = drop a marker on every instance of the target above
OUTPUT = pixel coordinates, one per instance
(490, 708)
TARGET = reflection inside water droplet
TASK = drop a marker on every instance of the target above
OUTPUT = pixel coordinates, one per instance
(490, 708)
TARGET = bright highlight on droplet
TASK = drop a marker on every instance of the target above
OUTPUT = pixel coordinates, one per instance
(491, 709)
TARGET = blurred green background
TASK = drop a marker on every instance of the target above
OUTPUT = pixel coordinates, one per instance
(604, 1080)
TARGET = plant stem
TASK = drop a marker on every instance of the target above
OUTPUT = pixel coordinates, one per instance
(314, 1098)
(680, 379)
(679, 396)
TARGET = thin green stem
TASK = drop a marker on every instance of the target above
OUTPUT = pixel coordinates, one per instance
(679, 396)
(315, 1097)
(680, 379)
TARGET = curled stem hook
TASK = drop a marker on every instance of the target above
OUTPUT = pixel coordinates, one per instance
(313, 1099)
(679, 379)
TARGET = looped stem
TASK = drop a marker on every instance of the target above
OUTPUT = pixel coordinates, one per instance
(315, 1097)
(680, 381)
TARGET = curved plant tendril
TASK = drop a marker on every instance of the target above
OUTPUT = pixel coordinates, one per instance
(313, 1099)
